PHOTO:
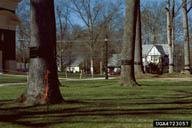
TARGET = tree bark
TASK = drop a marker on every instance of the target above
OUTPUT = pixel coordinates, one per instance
(101, 67)
(138, 64)
(91, 68)
(186, 39)
(43, 83)
(127, 55)
(169, 37)
(173, 31)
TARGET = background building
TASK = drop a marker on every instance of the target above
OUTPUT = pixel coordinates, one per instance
(8, 24)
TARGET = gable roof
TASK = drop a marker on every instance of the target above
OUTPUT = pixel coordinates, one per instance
(162, 48)
(165, 48)
(145, 49)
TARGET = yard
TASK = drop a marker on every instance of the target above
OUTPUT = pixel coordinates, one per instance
(22, 77)
(12, 78)
(101, 104)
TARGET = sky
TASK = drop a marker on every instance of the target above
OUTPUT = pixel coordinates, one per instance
(77, 20)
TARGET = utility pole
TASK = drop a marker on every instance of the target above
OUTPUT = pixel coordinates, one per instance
(106, 56)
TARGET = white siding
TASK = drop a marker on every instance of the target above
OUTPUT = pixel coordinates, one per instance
(154, 51)
(73, 69)
(152, 57)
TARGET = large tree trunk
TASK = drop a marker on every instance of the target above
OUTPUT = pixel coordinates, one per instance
(186, 39)
(43, 83)
(128, 49)
(169, 37)
(138, 64)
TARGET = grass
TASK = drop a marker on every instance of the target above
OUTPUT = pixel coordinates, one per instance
(101, 104)
(77, 75)
(21, 77)
(5, 78)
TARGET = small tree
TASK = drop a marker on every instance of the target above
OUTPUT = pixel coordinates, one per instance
(186, 38)
(169, 37)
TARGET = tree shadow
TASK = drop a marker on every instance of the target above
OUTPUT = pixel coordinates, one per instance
(45, 116)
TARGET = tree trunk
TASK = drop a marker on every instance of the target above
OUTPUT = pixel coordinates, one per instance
(43, 83)
(169, 38)
(127, 55)
(173, 31)
(101, 67)
(92, 70)
(186, 39)
(138, 65)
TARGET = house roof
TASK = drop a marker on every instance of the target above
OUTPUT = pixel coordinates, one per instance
(146, 48)
(162, 48)
(165, 48)
(115, 60)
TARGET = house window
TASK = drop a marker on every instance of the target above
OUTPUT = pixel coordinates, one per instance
(154, 58)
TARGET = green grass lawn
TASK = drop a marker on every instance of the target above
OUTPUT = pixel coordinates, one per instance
(77, 75)
(22, 77)
(5, 78)
(101, 104)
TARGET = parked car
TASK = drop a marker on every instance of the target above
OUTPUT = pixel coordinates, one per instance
(114, 73)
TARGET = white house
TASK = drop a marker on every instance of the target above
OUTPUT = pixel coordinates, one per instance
(150, 54)
(153, 53)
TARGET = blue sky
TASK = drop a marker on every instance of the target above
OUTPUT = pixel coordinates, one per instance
(77, 20)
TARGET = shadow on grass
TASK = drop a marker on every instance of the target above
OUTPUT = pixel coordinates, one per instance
(4, 102)
(83, 112)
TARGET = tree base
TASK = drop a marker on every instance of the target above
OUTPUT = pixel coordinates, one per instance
(38, 100)
(132, 84)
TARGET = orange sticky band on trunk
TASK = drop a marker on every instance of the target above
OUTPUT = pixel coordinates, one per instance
(47, 88)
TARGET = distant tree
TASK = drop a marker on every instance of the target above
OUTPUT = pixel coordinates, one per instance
(170, 35)
(138, 63)
(23, 13)
(63, 26)
(22, 48)
(89, 12)
(186, 38)
(43, 83)
(110, 22)
(153, 18)
(127, 55)
(23, 32)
